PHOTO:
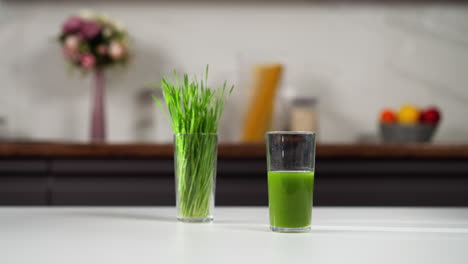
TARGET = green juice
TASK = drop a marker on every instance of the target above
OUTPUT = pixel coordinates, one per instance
(290, 198)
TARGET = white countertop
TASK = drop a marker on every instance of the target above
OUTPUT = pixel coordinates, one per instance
(239, 235)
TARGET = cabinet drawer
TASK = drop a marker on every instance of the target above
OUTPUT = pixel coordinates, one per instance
(23, 190)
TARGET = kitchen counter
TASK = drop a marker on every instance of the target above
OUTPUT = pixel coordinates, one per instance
(238, 235)
(74, 150)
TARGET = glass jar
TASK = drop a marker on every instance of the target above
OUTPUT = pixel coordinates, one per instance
(304, 114)
(3, 128)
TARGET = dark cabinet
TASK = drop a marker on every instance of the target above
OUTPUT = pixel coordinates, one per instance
(380, 175)
(23, 182)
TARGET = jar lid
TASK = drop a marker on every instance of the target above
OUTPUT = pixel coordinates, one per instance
(305, 101)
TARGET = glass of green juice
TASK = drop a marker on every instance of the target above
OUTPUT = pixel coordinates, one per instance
(291, 163)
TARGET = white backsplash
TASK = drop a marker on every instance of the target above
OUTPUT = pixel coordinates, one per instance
(356, 58)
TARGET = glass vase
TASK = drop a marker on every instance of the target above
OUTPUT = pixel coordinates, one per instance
(195, 157)
(98, 117)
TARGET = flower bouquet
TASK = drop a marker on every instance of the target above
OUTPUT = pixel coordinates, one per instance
(91, 43)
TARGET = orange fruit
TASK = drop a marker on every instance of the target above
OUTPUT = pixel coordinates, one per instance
(387, 116)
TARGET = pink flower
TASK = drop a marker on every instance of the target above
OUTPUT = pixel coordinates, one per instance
(102, 49)
(88, 61)
(72, 55)
(90, 30)
(116, 50)
(72, 42)
(72, 25)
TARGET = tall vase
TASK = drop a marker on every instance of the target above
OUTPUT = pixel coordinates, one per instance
(98, 121)
(195, 176)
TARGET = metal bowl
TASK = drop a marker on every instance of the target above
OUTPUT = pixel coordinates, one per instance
(407, 133)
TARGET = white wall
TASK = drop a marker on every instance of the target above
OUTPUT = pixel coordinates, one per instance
(356, 58)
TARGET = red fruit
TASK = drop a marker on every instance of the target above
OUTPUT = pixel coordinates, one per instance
(431, 115)
(387, 116)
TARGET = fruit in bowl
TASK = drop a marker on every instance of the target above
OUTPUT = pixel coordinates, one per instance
(409, 124)
(408, 114)
(430, 116)
(388, 116)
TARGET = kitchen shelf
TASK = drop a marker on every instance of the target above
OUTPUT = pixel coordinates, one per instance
(244, 151)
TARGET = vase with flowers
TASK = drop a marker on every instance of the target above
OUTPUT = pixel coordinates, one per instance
(91, 43)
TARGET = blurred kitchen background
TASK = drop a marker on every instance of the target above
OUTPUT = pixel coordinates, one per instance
(357, 73)
(354, 58)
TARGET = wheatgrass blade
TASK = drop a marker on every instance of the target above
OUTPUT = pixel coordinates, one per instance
(194, 111)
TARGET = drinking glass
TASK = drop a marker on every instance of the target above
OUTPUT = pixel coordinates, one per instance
(195, 158)
(290, 162)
